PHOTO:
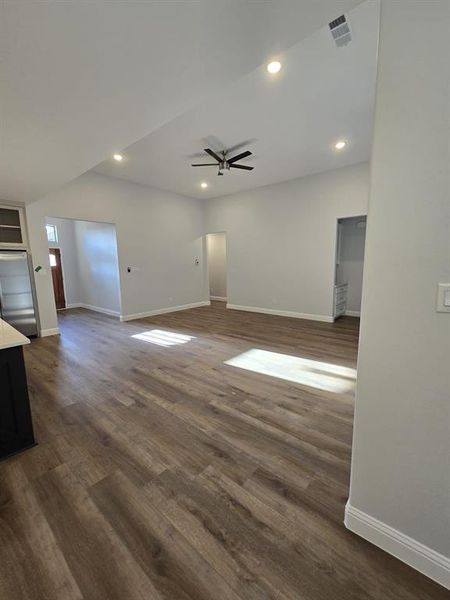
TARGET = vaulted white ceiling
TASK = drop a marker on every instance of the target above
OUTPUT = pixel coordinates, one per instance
(83, 79)
(290, 121)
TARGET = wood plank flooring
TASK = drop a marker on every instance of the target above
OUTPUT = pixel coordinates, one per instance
(164, 474)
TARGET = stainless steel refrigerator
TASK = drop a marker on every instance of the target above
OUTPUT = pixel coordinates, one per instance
(17, 302)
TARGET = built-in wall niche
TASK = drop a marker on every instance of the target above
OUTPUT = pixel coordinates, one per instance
(12, 230)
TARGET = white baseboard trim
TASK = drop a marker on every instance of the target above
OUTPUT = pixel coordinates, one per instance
(352, 313)
(282, 313)
(47, 332)
(434, 565)
(219, 298)
(161, 311)
(105, 311)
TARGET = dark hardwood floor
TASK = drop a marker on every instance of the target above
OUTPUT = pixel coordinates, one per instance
(163, 473)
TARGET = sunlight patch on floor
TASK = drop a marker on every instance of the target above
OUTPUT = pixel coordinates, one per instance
(160, 337)
(312, 373)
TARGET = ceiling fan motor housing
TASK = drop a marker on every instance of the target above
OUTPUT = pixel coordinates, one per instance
(224, 164)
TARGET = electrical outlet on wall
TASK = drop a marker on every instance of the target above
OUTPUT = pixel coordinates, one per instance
(443, 298)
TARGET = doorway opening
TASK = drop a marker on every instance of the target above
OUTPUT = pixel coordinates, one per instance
(84, 265)
(216, 252)
(351, 240)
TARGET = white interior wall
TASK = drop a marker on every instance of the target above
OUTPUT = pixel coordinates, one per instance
(159, 234)
(400, 483)
(281, 239)
(216, 244)
(98, 265)
(69, 258)
(351, 261)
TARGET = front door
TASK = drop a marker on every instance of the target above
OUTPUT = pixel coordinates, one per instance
(57, 277)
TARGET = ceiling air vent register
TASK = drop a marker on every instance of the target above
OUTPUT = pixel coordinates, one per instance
(340, 30)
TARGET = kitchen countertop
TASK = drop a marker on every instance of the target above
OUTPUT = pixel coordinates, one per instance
(10, 337)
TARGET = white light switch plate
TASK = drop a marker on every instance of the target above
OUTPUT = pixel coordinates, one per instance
(443, 297)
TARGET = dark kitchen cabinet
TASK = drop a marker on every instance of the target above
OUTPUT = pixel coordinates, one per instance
(16, 429)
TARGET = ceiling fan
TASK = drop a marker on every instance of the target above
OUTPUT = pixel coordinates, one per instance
(224, 163)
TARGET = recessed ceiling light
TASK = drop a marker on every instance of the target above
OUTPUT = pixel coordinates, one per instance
(203, 184)
(118, 157)
(274, 67)
(341, 144)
